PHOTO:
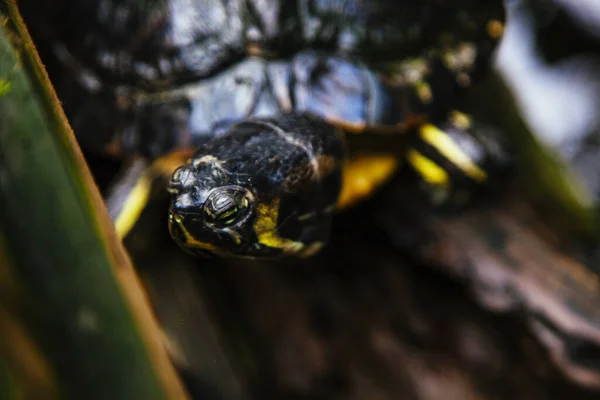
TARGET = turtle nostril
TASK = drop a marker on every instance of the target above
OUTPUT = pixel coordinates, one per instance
(179, 179)
(178, 209)
(184, 204)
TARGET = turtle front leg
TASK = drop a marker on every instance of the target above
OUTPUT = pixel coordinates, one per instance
(455, 156)
(137, 184)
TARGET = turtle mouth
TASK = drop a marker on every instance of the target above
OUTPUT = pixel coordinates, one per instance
(185, 239)
(180, 235)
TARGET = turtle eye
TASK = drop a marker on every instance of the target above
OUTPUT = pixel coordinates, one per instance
(226, 206)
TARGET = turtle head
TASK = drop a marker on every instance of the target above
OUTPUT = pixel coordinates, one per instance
(208, 215)
(263, 189)
(211, 216)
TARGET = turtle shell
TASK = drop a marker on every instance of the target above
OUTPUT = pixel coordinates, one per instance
(153, 76)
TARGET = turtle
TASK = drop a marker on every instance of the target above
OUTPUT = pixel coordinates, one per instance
(552, 322)
(262, 119)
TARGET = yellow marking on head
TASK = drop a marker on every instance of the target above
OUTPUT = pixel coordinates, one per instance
(495, 29)
(449, 149)
(362, 174)
(460, 121)
(265, 227)
(133, 206)
(191, 241)
(429, 170)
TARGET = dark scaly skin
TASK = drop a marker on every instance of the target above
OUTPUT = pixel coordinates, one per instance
(484, 155)
(283, 174)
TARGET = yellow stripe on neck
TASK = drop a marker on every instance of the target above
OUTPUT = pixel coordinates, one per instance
(133, 206)
(139, 195)
(363, 174)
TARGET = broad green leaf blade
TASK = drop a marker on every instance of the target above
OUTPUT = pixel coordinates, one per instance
(70, 281)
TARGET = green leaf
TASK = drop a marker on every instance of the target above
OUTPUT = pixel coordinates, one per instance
(65, 279)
